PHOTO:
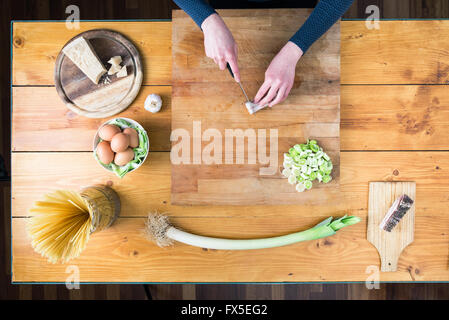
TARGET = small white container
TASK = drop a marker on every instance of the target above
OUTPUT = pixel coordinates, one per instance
(97, 141)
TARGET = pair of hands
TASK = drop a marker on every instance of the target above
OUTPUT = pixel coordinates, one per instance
(280, 75)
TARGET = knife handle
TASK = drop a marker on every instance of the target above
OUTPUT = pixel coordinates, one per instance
(229, 69)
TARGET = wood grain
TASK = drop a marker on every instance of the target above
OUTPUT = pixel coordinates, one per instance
(390, 244)
(35, 52)
(414, 117)
(400, 52)
(425, 259)
(148, 188)
(157, 9)
(367, 56)
(122, 253)
(203, 94)
(41, 122)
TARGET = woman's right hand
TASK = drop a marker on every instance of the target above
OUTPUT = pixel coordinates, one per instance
(219, 44)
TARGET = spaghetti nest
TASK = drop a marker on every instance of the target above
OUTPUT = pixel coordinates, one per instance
(60, 226)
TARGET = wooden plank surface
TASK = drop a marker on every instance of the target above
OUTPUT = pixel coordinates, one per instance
(390, 244)
(400, 52)
(427, 261)
(204, 94)
(413, 117)
(122, 253)
(37, 44)
(148, 188)
(41, 122)
(428, 254)
(367, 56)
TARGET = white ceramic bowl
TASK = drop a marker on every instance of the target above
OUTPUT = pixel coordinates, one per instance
(97, 141)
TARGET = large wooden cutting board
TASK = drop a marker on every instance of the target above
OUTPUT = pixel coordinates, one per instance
(203, 93)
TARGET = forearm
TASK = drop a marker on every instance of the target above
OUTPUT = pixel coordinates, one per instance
(323, 17)
(198, 10)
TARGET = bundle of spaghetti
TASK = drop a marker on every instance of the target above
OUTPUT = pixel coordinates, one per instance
(60, 226)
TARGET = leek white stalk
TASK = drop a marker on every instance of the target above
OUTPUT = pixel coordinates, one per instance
(159, 229)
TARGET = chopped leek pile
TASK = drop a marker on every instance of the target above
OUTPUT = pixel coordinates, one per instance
(305, 163)
(139, 153)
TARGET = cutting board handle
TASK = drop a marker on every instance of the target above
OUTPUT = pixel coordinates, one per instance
(389, 258)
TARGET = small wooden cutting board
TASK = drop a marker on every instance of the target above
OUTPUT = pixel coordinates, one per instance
(390, 244)
(104, 99)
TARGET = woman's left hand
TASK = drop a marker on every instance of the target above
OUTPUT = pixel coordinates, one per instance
(280, 76)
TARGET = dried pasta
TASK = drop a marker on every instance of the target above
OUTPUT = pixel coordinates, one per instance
(60, 226)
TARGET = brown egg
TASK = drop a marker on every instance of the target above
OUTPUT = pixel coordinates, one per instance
(133, 137)
(120, 142)
(104, 152)
(108, 131)
(122, 158)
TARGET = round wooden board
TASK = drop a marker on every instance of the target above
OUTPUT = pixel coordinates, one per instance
(101, 100)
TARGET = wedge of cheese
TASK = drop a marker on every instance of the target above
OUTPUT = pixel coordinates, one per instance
(115, 61)
(122, 73)
(114, 69)
(84, 57)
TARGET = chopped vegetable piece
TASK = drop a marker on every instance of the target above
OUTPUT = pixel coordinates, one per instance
(286, 172)
(314, 148)
(297, 147)
(308, 184)
(292, 179)
(300, 187)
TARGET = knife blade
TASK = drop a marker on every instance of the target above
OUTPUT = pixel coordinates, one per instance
(241, 87)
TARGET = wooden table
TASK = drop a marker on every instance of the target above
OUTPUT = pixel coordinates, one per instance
(394, 120)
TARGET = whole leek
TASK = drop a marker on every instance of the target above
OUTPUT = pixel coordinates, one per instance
(159, 229)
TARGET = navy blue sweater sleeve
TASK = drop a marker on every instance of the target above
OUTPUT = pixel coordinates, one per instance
(198, 10)
(325, 14)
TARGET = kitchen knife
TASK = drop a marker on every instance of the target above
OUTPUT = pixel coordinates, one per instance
(241, 87)
(250, 106)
